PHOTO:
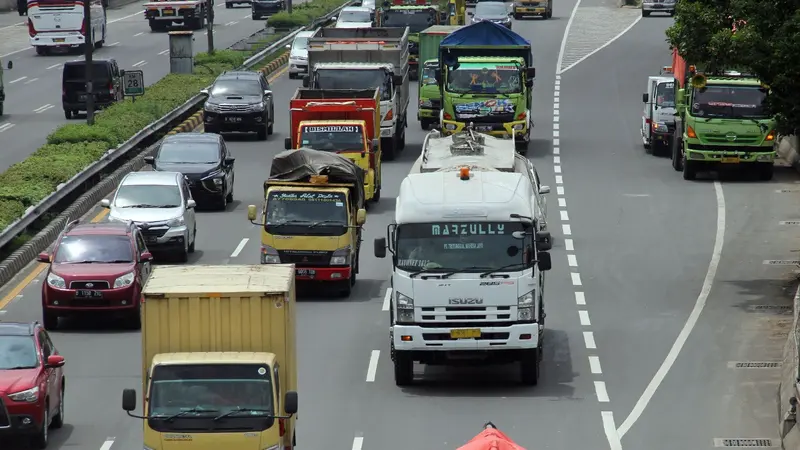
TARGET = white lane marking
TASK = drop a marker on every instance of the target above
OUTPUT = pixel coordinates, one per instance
(386, 299)
(107, 444)
(610, 429)
(691, 321)
(53, 66)
(31, 81)
(556, 151)
(560, 180)
(12, 26)
(576, 279)
(557, 169)
(42, 109)
(140, 63)
(6, 126)
(584, 58)
(18, 79)
(230, 24)
(556, 117)
(563, 47)
(372, 369)
(569, 245)
(566, 230)
(562, 202)
(556, 94)
(358, 442)
(556, 142)
(239, 247)
(137, 13)
(602, 393)
(555, 134)
(163, 52)
(564, 216)
(556, 160)
(572, 260)
(580, 298)
(584, 317)
(138, 34)
(588, 340)
(559, 190)
(556, 126)
(594, 365)
(113, 44)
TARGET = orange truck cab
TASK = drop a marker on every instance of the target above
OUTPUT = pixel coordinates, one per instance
(343, 121)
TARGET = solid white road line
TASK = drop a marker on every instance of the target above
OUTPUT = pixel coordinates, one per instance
(107, 444)
(239, 247)
(611, 432)
(5, 126)
(138, 34)
(372, 369)
(386, 299)
(163, 52)
(584, 317)
(602, 393)
(358, 442)
(42, 109)
(594, 365)
(588, 339)
(680, 341)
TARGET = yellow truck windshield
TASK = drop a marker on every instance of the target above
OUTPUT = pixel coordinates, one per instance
(332, 138)
(324, 211)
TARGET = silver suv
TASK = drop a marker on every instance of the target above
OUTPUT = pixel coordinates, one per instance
(161, 205)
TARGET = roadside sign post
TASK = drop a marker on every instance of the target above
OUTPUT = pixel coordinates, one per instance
(133, 83)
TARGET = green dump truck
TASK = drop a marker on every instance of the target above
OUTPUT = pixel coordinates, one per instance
(486, 79)
(430, 99)
(417, 15)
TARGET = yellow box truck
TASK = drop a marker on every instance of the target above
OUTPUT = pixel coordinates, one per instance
(219, 367)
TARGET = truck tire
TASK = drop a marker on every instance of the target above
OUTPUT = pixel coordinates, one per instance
(677, 158)
(522, 147)
(387, 149)
(765, 171)
(403, 369)
(529, 367)
(689, 169)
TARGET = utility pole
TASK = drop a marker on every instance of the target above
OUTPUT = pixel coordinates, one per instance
(88, 48)
(210, 25)
(289, 6)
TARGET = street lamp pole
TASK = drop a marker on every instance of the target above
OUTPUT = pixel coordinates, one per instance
(210, 25)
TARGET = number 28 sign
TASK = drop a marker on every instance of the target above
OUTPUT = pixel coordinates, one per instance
(134, 83)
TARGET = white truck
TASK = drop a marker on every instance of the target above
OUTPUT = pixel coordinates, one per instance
(468, 271)
(366, 58)
(191, 14)
(658, 115)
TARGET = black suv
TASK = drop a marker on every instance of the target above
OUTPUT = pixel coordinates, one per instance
(239, 101)
(263, 8)
(107, 85)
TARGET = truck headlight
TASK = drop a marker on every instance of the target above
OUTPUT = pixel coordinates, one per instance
(56, 281)
(425, 104)
(660, 127)
(125, 280)
(769, 157)
(405, 308)
(525, 306)
(176, 222)
(269, 255)
(518, 127)
(29, 395)
(341, 257)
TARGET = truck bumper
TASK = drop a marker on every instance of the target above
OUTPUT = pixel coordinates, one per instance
(322, 273)
(387, 131)
(428, 114)
(501, 130)
(729, 157)
(419, 339)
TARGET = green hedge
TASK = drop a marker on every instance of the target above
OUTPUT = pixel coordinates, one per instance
(303, 14)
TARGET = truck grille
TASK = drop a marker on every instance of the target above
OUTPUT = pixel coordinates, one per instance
(302, 258)
(465, 316)
(5, 420)
(731, 148)
(95, 285)
(447, 337)
(752, 139)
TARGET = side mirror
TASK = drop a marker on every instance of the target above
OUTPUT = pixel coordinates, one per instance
(531, 72)
(543, 241)
(645, 97)
(267, 93)
(529, 83)
(543, 190)
(290, 403)
(54, 361)
(204, 91)
(229, 161)
(146, 257)
(470, 13)
(288, 45)
(129, 400)
(380, 247)
(150, 160)
(679, 96)
(361, 216)
(287, 143)
(44, 257)
(105, 203)
(376, 143)
(397, 80)
(10, 65)
(251, 213)
(305, 81)
(191, 204)
(545, 263)
(334, 18)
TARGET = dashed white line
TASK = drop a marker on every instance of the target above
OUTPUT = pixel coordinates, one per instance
(54, 66)
(576, 279)
(239, 247)
(568, 244)
(358, 442)
(564, 216)
(580, 298)
(588, 340)
(6, 126)
(386, 299)
(560, 190)
(138, 34)
(602, 393)
(555, 133)
(230, 24)
(556, 160)
(556, 151)
(560, 180)
(163, 52)
(42, 109)
(556, 126)
(594, 365)
(556, 142)
(140, 63)
(557, 169)
(572, 260)
(107, 444)
(566, 230)
(32, 80)
(372, 369)
(562, 202)
(584, 317)
(18, 79)
(611, 432)
(556, 117)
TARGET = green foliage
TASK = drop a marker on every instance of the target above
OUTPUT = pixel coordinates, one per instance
(10, 210)
(303, 14)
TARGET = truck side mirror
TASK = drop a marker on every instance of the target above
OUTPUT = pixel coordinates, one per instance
(397, 80)
(251, 213)
(129, 400)
(531, 73)
(380, 247)
(543, 241)
(10, 65)
(290, 403)
(287, 143)
(529, 83)
(361, 216)
(544, 262)
(305, 81)
(645, 97)
(679, 96)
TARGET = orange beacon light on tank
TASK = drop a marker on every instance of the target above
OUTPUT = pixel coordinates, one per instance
(463, 173)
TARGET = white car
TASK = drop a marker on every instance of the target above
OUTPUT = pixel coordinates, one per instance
(298, 54)
(161, 205)
(354, 17)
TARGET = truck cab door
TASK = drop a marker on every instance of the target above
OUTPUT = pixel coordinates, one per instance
(647, 111)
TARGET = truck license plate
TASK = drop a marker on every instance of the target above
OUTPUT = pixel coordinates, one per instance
(169, 12)
(88, 294)
(465, 333)
(484, 128)
(233, 119)
(306, 272)
(731, 160)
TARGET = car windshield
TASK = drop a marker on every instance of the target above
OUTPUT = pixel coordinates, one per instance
(354, 79)
(731, 102)
(428, 77)
(236, 88)
(415, 19)
(332, 138)
(300, 43)
(97, 248)
(355, 16)
(18, 352)
(216, 388)
(296, 207)
(665, 95)
(485, 78)
(491, 9)
(189, 152)
(148, 195)
(455, 246)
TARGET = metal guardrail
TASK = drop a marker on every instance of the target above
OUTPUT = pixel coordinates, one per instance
(135, 143)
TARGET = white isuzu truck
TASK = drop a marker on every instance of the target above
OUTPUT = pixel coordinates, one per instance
(468, 271)
(658, 115)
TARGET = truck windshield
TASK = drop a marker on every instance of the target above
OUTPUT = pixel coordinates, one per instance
(354, 79)
(428, 77)
(730, 102)
(201, 392)
(314, 213)
(458, 245)
(484, 78)
(332, 138)
(665, 95)
(415, 19)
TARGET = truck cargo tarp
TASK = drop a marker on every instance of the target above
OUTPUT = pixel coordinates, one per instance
(301, 164)
(485, 34)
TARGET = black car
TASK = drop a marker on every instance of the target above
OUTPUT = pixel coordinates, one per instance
(107, 85)
(263, 8)
(496, 12)
(239, 101)
(205, 161)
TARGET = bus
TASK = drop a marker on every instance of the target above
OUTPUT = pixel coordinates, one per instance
(59, 24)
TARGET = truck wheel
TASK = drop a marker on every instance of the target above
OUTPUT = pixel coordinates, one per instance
(517, 16)
(765, 171)
(154, 25)
(347, 286)
(387, 149)
(403, 369)
(677, 158)
(401, 143)
(689, 169)
(549, 14)
(522, 147)
(529, 367)
(1, 109)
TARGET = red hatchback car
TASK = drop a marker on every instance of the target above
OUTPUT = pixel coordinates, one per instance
(31, 383)
(95, 268)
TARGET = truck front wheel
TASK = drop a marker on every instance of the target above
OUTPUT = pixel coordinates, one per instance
(765, 171)
(403, 369)
(677, 153)
(529, 367)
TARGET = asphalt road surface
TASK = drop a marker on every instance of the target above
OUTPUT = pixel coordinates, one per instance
(33, 86)
(642, 260)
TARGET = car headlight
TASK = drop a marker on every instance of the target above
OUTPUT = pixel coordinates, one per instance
(56, 281)
(29, 395)
(405, 308)
(425, 104)
(269, 255)
(125, 280)
(211, 107)
(341, 257)
(525, 305)
(176, 222)
(258, 106)
(660, 127)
